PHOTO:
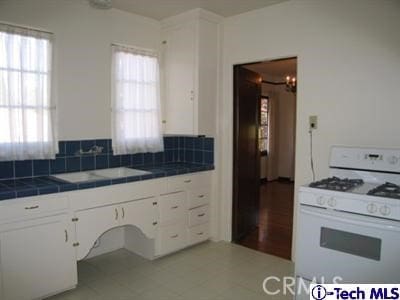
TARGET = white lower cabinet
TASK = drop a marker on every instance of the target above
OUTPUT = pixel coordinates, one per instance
(198, 234)
(171, 238)
(92, 223)
(37, 259)
(43, 237)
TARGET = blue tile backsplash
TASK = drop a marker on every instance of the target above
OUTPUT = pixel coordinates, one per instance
(184, 149)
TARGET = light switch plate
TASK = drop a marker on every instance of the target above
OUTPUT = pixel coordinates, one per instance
(313, 121)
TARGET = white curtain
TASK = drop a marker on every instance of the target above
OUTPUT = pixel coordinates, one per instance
(136, 119)
(27, 108)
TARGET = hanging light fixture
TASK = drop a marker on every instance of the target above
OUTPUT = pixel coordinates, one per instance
(291, 84)
(101, 4)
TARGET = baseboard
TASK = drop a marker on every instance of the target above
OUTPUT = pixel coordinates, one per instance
(285, 179)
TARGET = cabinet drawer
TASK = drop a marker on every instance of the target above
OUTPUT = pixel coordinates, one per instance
(198, 197)
(198, 234)
(172, 207)
(32, 206)
(185, 182)
(170, 238)
(199, 215)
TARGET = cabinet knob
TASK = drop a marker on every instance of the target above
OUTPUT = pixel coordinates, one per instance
(201, 215)
(174, 236)
(123, 213)
(174, 207)
(154, 223)
(116, 214)
(164, 121)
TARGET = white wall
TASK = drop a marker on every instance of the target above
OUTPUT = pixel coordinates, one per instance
(348, 73)
(83, 58)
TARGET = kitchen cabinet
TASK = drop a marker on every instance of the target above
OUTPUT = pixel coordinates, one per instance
(190, 64)
(93, 222)
(43, 237)
(37, 258)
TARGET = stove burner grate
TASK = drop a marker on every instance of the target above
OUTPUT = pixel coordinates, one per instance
(388, 190)
(337, 184)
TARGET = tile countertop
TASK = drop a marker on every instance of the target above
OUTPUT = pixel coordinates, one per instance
(32, 186)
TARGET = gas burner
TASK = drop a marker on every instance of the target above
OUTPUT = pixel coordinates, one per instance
(388, 189)
(336, 184)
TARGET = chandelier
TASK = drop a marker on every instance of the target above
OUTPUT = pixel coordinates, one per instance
(291, 84)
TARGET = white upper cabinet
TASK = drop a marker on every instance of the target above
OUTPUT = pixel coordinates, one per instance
(190, 64)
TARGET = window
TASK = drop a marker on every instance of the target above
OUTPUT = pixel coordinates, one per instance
(136, 124)
(26, 109)
(263, 128)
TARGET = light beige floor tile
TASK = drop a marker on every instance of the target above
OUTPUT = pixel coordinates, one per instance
(110, 289)
(209, 271)
(80, 293)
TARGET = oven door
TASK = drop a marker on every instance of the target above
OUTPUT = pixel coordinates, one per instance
(359, 249)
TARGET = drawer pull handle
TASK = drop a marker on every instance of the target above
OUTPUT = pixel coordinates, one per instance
(174, 207)
(32, 207)
(154, 223)
(200, 196)
(154, 203)
(116, 214)
(123, 213)
(174, 236)
(66, 236)
(188, 181)
(200, 233)
(201, 215)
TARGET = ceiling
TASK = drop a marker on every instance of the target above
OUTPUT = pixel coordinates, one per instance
(275, 68)
(160, 9)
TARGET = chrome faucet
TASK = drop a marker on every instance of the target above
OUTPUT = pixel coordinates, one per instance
(96, 150)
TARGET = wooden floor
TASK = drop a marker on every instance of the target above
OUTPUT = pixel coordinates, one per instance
(274, 234)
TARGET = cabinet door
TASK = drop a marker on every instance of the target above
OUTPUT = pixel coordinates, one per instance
(91, 224)
(179, 79)
(142, 214)
(37, 260)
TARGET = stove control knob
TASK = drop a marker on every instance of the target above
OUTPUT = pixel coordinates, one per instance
(372, 208)
(385, 210)
(321, 200)
(393, 160)
(332, 202)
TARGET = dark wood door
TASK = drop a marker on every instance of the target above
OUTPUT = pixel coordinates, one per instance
(246, 172)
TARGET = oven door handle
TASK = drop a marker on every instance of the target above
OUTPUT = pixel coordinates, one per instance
(349, 220)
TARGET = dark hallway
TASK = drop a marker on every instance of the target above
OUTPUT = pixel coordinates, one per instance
(274, 234)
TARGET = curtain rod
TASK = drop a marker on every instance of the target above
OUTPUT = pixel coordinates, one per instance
(26, 27)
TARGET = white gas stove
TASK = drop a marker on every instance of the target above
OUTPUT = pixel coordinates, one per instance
(349, 224)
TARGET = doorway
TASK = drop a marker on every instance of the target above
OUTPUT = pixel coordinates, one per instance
(264, 155)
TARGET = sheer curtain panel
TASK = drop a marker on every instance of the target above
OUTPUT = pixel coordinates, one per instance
(136, 118)
(27, 110)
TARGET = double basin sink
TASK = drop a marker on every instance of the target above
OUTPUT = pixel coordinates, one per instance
(94, 175)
